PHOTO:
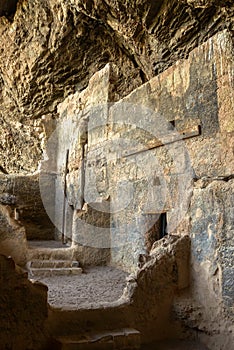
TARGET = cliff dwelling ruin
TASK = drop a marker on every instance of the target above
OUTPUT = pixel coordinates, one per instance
(116, 175)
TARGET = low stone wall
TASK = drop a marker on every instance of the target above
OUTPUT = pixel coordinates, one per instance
(152, 288)
(146, 303)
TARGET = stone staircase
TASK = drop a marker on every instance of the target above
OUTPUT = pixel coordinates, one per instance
(47, 259)
(109, 327)
(49, 268)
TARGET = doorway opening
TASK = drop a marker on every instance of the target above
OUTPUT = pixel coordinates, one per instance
(158, 228)
(163, 225)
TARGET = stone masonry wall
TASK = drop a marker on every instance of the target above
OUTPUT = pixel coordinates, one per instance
(200, 106)
(166, 147)
(67, 159)
(197, 94)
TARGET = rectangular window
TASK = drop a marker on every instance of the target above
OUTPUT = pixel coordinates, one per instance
(163, 225)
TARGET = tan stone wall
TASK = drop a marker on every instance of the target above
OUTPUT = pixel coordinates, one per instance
(82, 225)
(190, 93)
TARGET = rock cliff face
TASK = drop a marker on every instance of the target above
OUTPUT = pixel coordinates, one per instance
(49, 49)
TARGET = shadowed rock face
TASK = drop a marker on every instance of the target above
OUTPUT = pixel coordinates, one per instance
(52, 48)
(23, 306)
(7, 7)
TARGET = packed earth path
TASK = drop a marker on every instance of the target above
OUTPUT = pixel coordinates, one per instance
(96, 285)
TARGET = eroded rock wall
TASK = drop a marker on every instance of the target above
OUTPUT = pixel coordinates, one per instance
(153, 288)
(23, 309)
(212, 259)
(22, 195)
(12, 236)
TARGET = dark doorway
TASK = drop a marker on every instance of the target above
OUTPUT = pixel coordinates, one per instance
(158, 229)
(163, 225)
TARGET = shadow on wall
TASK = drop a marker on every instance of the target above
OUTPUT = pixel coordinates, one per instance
(8, 8)
(23, 309)
(22, 194)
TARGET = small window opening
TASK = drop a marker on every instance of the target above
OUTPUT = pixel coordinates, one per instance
(172, 122)
(163, 225)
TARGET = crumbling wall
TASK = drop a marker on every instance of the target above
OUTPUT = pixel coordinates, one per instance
(195, 104)
(197, 94)
(146, 303)
(23, 310)
(145, 151)
(153, 287)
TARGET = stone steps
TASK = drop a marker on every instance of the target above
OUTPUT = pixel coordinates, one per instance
(53, 264)
(127, 338)
(49, 268)
(51, 258)
(47, 272)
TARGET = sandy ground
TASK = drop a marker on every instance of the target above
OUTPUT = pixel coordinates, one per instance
(95, 286)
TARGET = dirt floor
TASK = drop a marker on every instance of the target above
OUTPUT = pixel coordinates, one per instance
(95, 286)
(176, 345)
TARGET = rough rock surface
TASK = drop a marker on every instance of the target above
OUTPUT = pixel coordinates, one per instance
(51, 48)
(12, 236)
(23, 309)
(22, 194)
